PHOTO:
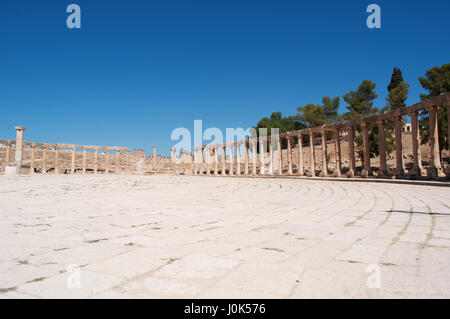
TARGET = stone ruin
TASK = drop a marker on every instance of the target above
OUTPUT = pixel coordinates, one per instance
(334, 153)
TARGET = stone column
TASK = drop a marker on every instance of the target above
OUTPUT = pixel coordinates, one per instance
(448, 138)
(224, 160)
(154, 159)
(195, 160)
(95, 160)
(19, 148)
(127, 157)
(337, 153)
(33, 157)
(417, 168)
(254, 156)
(208, 152)
(84, 159)
(366, 164)
(351, 151)
(280, 155)
(382, 144)
(117, 161)
(238, 158)
(72, 167)
(216, 160)
(246, 170)
(399, 169)
(435, 163)
(107, 161)
(324, 171)
(289, 154)
(231, 159)
(44, 159)
(173, 159)
(270, 141)
(8, 153)
(57, 159)
(300, 170)
(202, 159)
(262, 154)
(312, 154)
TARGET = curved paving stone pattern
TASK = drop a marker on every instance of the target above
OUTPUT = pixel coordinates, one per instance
(165, 236)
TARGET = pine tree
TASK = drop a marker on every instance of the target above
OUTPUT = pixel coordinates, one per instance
(360, 102)
(398, 91)
(396, 78)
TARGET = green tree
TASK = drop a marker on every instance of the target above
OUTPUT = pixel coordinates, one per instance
(396, 79)
(312, 115)
(398, 91)
(436, 81)
(360, 102)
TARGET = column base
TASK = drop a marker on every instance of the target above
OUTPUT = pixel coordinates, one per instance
(323, 174)
(382, 173)
(350, 173)
(417, 171)
(435, 172)
(399, 172)
(16, 170)
(365, 173)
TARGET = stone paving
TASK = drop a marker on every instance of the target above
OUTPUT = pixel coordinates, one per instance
(166, 236)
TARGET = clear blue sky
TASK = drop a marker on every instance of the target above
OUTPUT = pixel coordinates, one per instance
(138, 69)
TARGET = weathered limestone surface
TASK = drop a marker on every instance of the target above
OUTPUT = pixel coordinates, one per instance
(147, 237)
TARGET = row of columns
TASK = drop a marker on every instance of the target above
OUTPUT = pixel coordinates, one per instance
(202, 162)
(19, 158)
(57, 149)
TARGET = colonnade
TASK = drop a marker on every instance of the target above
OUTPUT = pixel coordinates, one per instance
(64, 158)
(206, 157)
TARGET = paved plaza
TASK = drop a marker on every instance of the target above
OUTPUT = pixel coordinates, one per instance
(166, 236)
